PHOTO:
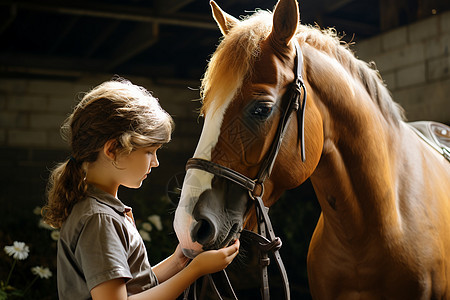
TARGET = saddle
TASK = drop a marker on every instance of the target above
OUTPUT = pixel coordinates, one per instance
(437, 135)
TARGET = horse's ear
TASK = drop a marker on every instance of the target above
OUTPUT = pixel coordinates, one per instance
(285, 21)
(224, 20)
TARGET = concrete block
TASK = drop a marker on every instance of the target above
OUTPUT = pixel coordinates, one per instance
(3, 101)
(46, 121)
(55, 141)
(27, 102)
(61, 104)
(416, 99)
(51, 87)
(395, 38)
(411, 75)
(187, 111)
(439, 68)
(444, 22)
(14, 86)
(49, 155)
(431, 110)
(188, 127)
(423, 30)
(22, 138)
(11, 120)
(182, 144)
(2, 137)
(437, 46)
(368, 49)
(399, 58)
(390, 80)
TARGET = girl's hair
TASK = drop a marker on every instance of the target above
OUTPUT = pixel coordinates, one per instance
(115, 110)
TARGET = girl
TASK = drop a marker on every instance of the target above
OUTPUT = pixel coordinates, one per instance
(114, 132)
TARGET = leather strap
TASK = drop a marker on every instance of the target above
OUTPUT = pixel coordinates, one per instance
(221, 171)
(300, 85)
(266, 238)
(293, 104)
(273, 244)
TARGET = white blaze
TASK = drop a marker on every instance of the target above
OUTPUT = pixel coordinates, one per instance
(197, 181)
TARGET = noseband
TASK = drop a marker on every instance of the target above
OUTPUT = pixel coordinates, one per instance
(266, 239)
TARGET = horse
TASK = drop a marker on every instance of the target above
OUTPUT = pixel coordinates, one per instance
(384, 227)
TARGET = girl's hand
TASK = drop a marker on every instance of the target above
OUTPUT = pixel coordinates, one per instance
(180, 258)
(213, 261)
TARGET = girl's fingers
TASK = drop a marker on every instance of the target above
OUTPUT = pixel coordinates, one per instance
(232, 250)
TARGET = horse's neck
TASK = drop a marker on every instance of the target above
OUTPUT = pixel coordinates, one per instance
(355, 180)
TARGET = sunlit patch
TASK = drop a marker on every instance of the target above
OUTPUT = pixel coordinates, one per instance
(197, 181)
(229, 65)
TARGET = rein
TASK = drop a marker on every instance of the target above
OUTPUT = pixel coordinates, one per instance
(265, 238)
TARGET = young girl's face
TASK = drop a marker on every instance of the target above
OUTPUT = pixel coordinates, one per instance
(137, 165)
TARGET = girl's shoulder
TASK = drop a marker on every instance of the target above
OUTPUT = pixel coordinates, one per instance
(92, 206)
(90, 210)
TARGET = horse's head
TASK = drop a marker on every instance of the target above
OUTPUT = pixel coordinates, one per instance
(245, 90)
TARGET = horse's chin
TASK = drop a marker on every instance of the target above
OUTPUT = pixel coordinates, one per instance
(190, 253)
(191, 249)
(230, 238)
(233, 235)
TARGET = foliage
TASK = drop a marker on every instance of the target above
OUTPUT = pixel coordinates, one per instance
(19, 251)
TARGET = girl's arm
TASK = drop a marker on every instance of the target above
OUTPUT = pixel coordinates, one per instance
(205, 263)
(170, 266)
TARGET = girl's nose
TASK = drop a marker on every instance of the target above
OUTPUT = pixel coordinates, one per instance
(154, 162)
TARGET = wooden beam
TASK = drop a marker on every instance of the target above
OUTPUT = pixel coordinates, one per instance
(73, 67)
(137, 14)
(65, 30)
(331, 6)
(16, 60)
(171, 6)
(4, 24)
(107, 31)
(142, 37)
(351, 27)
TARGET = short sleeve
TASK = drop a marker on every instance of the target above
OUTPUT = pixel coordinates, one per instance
(102, 250)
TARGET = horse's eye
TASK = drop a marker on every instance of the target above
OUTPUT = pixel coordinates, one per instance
(261, 110)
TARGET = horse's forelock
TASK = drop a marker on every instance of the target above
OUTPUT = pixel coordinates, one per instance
(236, 54)
(233, 60)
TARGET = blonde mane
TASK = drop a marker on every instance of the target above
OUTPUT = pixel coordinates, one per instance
(233, 59)
(235, 55)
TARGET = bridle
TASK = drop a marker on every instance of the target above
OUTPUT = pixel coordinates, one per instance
(265, 238)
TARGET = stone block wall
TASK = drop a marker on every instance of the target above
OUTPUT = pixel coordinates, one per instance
(31, 113)
(414, 62)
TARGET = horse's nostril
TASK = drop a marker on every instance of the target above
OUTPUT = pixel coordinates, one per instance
(203, 232)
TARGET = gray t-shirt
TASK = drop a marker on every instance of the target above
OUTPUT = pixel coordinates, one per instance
(100, 242)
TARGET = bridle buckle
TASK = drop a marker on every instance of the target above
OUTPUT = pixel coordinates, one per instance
(258, 190)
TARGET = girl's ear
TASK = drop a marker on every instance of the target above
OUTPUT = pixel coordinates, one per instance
(109, 149)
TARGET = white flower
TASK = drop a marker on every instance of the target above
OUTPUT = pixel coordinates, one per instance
(147, 226)
(18, 250)
(55, 235)
(44, 225)
(42, 272)
(156, 220)
(145, 235)
(37, 210)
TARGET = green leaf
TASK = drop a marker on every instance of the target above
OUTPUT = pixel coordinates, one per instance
(3, 295)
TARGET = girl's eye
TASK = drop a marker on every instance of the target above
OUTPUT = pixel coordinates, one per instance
(261, 110)
(151, 152)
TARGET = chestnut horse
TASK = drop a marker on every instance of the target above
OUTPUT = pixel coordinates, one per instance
(384, 230)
